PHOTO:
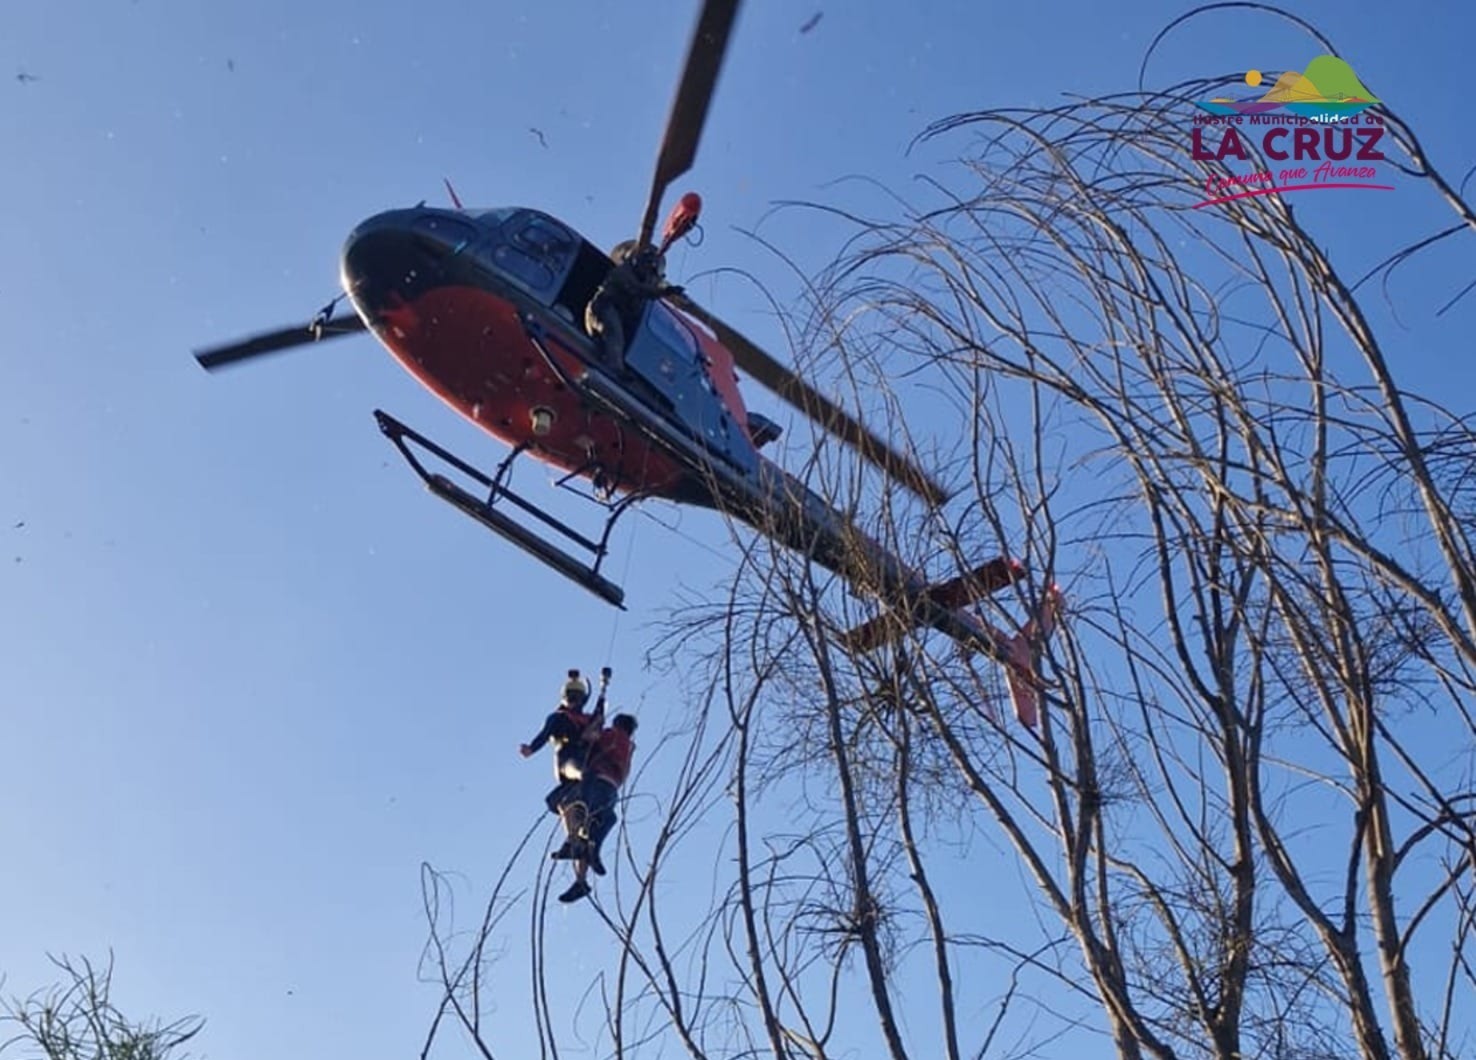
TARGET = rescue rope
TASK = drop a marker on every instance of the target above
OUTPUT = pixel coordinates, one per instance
(615, 624)
(629, 552)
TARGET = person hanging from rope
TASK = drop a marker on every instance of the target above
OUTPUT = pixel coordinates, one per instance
(591, 815)
(573, 733)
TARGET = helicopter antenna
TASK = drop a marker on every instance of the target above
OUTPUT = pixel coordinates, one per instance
(452, 192)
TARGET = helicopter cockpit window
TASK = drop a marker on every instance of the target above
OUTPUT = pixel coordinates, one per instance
(494, 218)
(523, 267)
(545, 240)
(676, 334)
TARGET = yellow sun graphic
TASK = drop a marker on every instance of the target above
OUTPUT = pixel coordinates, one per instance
(1253, 78)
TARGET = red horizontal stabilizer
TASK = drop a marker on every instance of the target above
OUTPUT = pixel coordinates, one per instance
(1020, 671)
(953, 594)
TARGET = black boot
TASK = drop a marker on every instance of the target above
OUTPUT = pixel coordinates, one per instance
(576, 891)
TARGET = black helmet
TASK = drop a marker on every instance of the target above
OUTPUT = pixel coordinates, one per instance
(647, 260)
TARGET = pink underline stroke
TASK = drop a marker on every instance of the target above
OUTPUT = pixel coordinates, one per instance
(1292, 187)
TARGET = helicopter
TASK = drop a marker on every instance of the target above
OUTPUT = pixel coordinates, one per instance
(485, 309)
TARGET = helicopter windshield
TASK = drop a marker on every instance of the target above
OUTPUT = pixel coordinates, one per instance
(493, 218)
(533, 250)
(449, 228)
(549, 242)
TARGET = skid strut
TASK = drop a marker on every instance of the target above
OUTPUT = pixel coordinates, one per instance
(495, 518)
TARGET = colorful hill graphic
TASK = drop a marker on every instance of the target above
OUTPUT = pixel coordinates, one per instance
(1326, 91)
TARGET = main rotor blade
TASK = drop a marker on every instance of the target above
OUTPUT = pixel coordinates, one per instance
(830, 416)
(215, 357)
(689, 109)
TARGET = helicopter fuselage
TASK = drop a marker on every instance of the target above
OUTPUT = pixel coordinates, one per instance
(456, 297)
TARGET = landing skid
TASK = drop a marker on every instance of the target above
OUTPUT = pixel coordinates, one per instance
(492, 512)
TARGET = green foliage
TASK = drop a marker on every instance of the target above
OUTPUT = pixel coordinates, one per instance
(76, 1020)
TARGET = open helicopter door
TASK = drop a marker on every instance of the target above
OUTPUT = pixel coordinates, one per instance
(495, 518)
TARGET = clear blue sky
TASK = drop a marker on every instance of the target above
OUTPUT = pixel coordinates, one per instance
(251, 675)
